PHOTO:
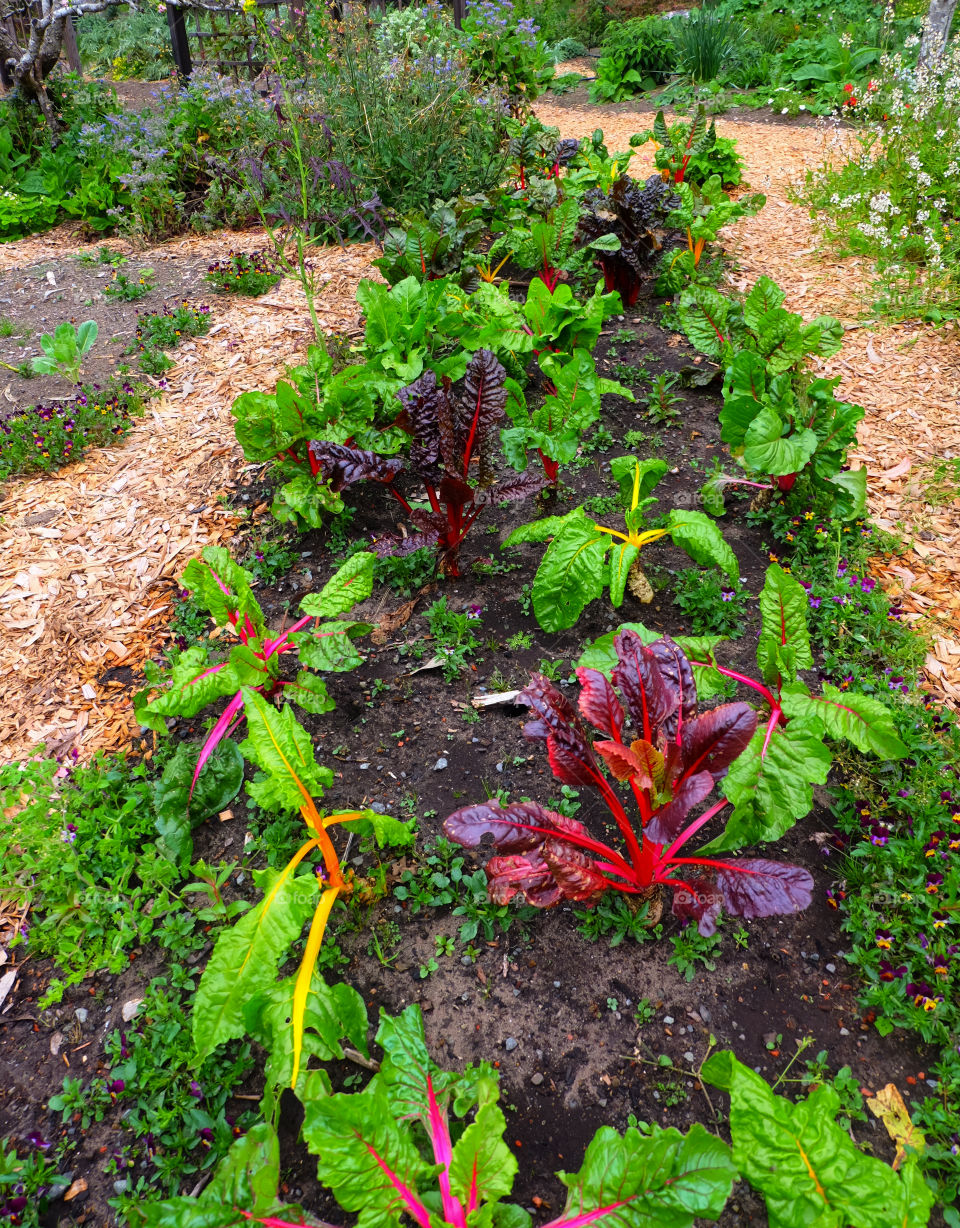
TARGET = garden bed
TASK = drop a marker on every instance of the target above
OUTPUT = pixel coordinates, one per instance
(556, 1012)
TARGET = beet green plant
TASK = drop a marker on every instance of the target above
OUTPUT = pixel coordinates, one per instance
(575, 569)
(672, 763)
(542, 245)
(770, 786)
(239, 990)
(701, 214)
(557, 426)
(426, 246)
(451, 453)
(252, 664)
(425, 1146)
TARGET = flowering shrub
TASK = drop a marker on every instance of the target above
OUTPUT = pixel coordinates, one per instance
(502, 49)
(48, 436)
(897, 199)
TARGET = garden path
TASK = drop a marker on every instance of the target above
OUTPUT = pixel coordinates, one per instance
(907, 376)
(89, 553)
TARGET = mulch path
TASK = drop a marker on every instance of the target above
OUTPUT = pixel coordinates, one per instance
(90, 552)
(907, 376)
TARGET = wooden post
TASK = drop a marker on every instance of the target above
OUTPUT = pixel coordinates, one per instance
(458, 13)
(178, 40)
(70, 46)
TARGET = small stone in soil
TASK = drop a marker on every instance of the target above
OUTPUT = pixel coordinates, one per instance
(831, 967)
(844, 1031)
(668, 1019)
(688, 1056)
(536, 1079)
(704, 1014)
(510, 1044)
(81, 1013)
(440, 764)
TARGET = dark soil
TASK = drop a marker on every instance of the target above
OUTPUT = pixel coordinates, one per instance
(36, 299)
(552, 1010)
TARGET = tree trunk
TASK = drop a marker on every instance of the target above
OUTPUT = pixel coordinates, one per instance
(935, 31)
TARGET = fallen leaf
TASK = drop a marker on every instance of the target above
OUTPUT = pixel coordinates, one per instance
(888, 1105)
(76, 1187)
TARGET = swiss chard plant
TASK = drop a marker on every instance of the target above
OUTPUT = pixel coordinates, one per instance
(452, 452)
(320, 638)
(701, 215)
(777, 421)
(770, 786)
(404, 331)
(570, 408)
(626, 227)
(65, 349)
(310, 403)
(427, 246)
(575, 569)
(544, 245)
(426, 1146)
(678, 145)
(299, 1017)
(672, 759)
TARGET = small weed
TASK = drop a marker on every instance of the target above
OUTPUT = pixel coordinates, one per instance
(519, 641)
(644, 1012)
(428, 968)
(661, 401)
(444, 944)
(629, 374)
(616, 918)
(690, 948)
(554, 670)
(269, 558)
(634, 439)
(406, 574)
(470, 715)
(941, 482)
(602, 505)
(454, 636)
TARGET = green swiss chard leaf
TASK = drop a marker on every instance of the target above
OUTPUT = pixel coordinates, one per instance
(659, 1177)
(217, 785)
(330, 646)
(862, 721)
(247, 956)
(333, 1013)
(807, 1167)
(365, 1156)
(703, 315)
(571, 573)
(783, 615)
(622, 557)
(303, 501)
(278, 744)
(763, 297)
(190, 686)
(386, 830)
(309, 693)
(771, 790)
(223, 587)
(767, 450)
(349, 585)
(851, 497)
(697, 535)
(625, 469)
(482, 1160)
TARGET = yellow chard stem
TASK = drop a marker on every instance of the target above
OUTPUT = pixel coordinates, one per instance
(302, 987)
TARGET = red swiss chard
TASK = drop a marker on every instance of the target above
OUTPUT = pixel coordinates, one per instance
(672, 763)
(452, 439)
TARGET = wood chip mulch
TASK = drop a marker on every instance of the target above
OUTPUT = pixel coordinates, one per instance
(907, 376)
(90, 553)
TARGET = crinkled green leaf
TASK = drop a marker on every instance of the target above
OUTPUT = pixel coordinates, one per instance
(807, 1167)
(772, 791)
(361, 1151)
(571, 573)
(309, 693)
(333, 1013)
(767, 450)
(330, 646)
(246, 1180)
(217, 785)
(703, 316)
(482, 1158)
(223, 587)
(278, 744)
(349, 585)
(303, 501)
(386, 830)
(783, 615)
(697, 535)
(659, 1179)
(190, 686)
(764, 296)
(861, 720)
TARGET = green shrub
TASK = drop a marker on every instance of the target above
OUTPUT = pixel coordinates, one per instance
(637, 55)
(122, 45)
